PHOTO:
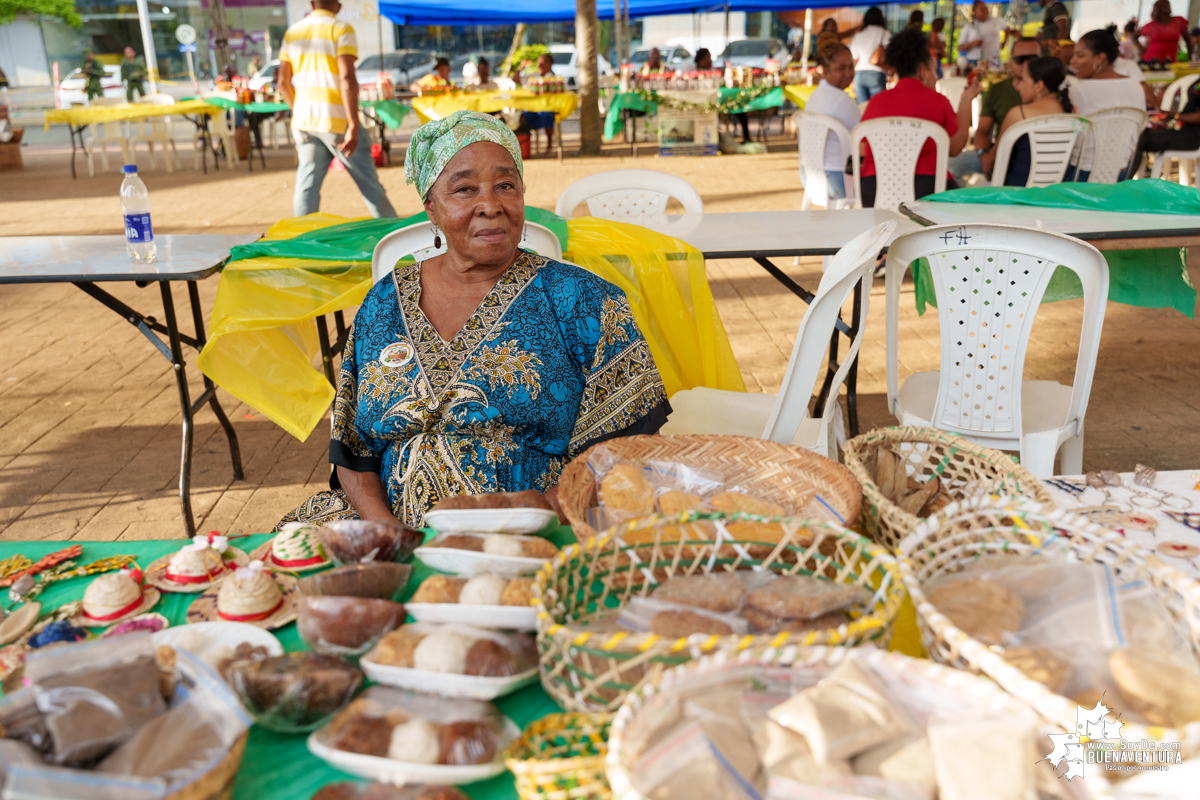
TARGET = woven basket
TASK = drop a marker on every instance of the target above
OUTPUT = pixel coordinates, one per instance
(776, 472)
(965, 469)
(1015, 526)
(217, 783)
(561, 757)
(584, 669)
(630, 718)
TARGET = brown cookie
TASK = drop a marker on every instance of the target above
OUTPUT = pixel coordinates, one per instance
(369, 736)
(468, 742)
(459, 541)
(1040, 664)
(396, 649)
(675, 501)
(439, 589)
(734, 502)
(490, 659)
(517, 592)
(538, 548)
(804, 597)
(984, 609)
(624, 489)
(721, 593)
(1153, 685)
(765, 623)
(680, 624)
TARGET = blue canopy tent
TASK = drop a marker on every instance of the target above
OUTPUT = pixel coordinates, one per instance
(473, 12)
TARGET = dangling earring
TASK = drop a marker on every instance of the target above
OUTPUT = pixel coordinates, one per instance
(524, 233)
(437, 238)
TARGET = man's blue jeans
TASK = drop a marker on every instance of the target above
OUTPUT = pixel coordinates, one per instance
(965, 164)
(316, 152)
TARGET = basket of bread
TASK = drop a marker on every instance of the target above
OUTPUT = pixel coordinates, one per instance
(1063, 614)
(909, 473)
(616, 610)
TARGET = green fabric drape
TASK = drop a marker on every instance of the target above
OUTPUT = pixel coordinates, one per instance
(635, 102)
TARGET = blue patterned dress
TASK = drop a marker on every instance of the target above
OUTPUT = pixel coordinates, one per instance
(550, 363)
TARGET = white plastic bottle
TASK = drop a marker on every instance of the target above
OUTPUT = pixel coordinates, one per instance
(135, 205)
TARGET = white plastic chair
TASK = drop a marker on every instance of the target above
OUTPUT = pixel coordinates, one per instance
(157, 129)
(896, 144)
(218, 129)
(989, 281)
(1052, 140)
(106, 133)
(1115, 132)
(784, 417)
(952, 89)
(626, 193)
(416, 240)
(812, 131)
(1174, 98)
(1176, 93)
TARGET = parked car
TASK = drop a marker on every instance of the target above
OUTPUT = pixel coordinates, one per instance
(405, 66)
(675, 57)
(566, 66)
(494, 60)
(70, 88)
(265, 77)
(754, 53)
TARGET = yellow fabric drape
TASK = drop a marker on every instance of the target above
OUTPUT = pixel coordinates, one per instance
(442, 106)
(263, 346)
(798, 93)
(95, 114)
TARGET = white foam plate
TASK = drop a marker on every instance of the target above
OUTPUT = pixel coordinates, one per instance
(456, 561)
(514, 618)
(220, 634)
(399, 773)
(474, 687)
(490, 520)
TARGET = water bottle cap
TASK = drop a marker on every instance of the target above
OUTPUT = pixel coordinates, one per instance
(129, 168)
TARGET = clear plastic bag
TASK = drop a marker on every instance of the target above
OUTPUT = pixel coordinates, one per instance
(804, 597)
(677, 620)
(348, 790)
(95, 695)
(456, 649)
(346, 626)
(416, 728)
(295, 692)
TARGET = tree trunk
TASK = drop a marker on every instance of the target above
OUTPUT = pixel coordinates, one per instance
(588, 77)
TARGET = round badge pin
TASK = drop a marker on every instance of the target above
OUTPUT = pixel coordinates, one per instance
(1178, 549)
(396, 355)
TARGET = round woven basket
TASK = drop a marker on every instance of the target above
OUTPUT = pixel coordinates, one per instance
(1016, 526)
(638, 712)
(964, 468)
(585, 668)
(778, 473)
(561, 757)
(217, 783)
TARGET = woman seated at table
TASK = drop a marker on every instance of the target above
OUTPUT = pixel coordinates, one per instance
(914, 95)
(486, 368)
(1178, 131)
(438, 79)
(1043, 90)
(830, 98)
(482, 80)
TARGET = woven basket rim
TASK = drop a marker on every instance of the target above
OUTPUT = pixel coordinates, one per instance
(878, 620)
(1053, 707)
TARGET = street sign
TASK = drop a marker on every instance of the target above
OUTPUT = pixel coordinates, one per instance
(186, 34)
(187, 48)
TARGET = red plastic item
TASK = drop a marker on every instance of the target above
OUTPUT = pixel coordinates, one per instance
(523, 140)
(377, 154)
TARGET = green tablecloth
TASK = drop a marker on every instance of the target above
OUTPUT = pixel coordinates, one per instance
(391, 112)
(278, 766)
(634, 101)
(256, 108)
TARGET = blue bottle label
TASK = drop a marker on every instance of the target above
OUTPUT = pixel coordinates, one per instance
(137, 228)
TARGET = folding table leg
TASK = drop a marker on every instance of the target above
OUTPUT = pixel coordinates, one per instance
(210, 389)
(185, 405)
(326, 350)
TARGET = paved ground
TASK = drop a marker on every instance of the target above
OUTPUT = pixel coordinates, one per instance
(89, 418)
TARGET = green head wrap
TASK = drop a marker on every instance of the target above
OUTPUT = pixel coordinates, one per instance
(435, 143)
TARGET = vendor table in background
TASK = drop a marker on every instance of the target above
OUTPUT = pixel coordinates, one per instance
(443, 105)
(88, 260)
(762, 235)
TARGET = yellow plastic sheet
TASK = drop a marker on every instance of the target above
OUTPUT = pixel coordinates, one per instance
(440, 107)
(92, 115)
(263, 346)
(798, 94)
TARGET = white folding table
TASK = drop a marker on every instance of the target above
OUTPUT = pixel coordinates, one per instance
(762, 235)
(86, 261)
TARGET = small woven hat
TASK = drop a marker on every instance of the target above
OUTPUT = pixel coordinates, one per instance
(297, 548)
(115, 597)
(251, 594)
(207, 560)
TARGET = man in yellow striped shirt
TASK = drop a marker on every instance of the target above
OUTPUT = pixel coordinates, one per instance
(316, 76)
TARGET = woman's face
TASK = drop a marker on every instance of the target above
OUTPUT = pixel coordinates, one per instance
(1025, 87)
(927, 73)
(1083, 61)
(840, 71)
(443, 71)
(479, 203)
(829, 25)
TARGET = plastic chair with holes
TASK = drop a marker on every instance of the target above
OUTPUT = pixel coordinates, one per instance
(1175, 96)
(628, 194)
(1114, 133)
(106, 133)
(952, 89)
(1052, 140)
(989, 281)
(219, 130)
(416, 240)
(896, 144)
(812, 132)
(1174, 99)
(784, 417)
(157, 129)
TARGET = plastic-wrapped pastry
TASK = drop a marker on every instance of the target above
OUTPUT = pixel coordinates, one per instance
(530, 498)
(982, 608)
(500, 545)
(457, 649)
(483, 590)
(517, 592)
(804, 597)
(442, 651)
(397, 648)
(439, 589)
(676, 501)
(415, 741)
(624, 488)
(721, 593)
(734, 502)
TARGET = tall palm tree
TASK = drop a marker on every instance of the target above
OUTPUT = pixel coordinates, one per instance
(588, 77)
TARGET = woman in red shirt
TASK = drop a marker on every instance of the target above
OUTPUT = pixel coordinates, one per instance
(1163, 33)
(914, 95)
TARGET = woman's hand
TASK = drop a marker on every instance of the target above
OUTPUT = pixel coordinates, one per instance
(367, 494)
(973, 90)
(551, 495)
(987, 161)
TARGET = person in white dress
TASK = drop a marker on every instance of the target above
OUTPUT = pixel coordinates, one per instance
(979, 40)
(830, 98)
(867, 48)
(1099, 86)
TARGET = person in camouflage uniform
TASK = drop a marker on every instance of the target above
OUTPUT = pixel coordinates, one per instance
(133, 72)
(92, 71)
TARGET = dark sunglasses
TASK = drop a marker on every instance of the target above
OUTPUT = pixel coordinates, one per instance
(1019, 60)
